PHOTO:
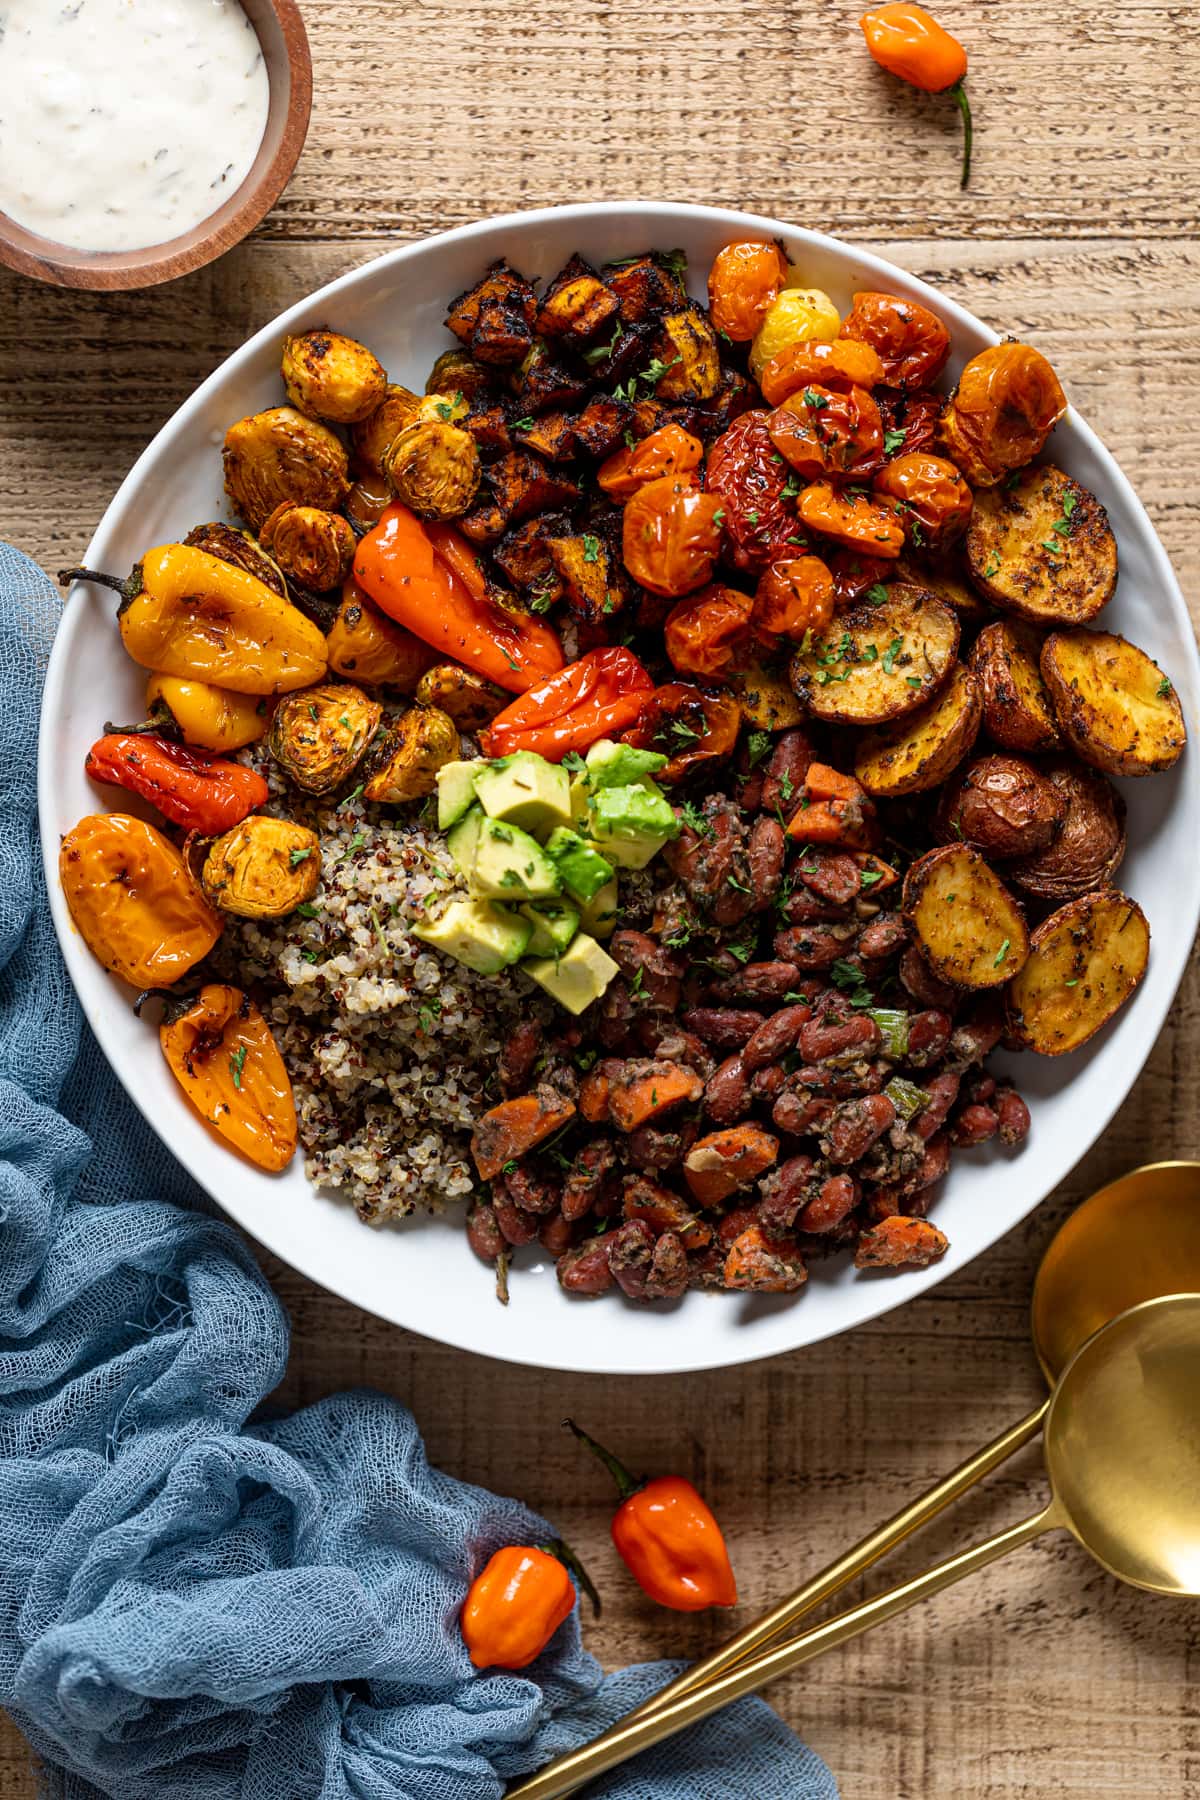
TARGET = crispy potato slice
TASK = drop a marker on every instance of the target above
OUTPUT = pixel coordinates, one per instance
(949, 586)
(1042, 547)
(766, 697)
(879, 662)
(1085, 961)
(1114, 705)
(969, 927)
(1088, 850)
(917, 754)
(1017, 713)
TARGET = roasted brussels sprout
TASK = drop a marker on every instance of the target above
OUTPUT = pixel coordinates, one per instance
(365, 645)
(372, 435)
(320, 734)
(434, 468)
(408, 757)
(457, 372)
(311, 546)
(280, 455)
(263, 868)
(240, 549)
(329, 376)
(471, 701)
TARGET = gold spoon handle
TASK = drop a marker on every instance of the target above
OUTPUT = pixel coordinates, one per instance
(634, 1734)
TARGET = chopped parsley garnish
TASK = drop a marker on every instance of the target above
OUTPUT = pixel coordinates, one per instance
(787, 786)
(893, 441)
(868, 877)
(591, 548)
(352, 795)
(1163, 688)
(891, 653)
(913, 681)
(695, 820)
(679, 729)
(598, 352)
(443, 408)
(299, 856)
(993, 567)
(733, 882)
(758, 745)
(573, 761)
(525, 424)
(637, 986)
(356, 843)
(719, 516)
(791, 486)
(308, 909)
(876, 594)
(237, 1063)
(752, 517)
(852, 982)
(1001, 953)
(817, 402)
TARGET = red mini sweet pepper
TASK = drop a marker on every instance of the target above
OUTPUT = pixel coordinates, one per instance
(201, 793)
(667, 1537)
(599, 696)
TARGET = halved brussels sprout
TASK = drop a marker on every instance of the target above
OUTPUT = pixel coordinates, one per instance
(237, 547)
(313, 547)
(263, 868)
(372, 435)
(329, 376)
(410, 754)
(471, 701)
(280, 455)
(320, 734)
(434, 467)
(457, 372)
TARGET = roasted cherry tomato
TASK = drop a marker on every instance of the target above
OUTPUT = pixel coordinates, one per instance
(688, 726)
(671, 535)
(745, 470)
(596, 697)
(743, 284)
(793, 596)
(854, 574)
(853, 519)
(935, 499)
(823, 432)
(668, 451)
(1007, 402)
(912, 342)
(707, 634)
(844, 363)
(913, 412)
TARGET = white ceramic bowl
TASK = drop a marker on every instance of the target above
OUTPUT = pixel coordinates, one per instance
(423, 1275)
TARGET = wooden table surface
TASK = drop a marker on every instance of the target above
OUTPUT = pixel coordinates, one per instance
(1041, 1676)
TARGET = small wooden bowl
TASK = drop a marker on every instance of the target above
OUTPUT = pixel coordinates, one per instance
(281, 33)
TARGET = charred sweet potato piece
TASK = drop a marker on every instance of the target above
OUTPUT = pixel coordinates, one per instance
(494, 319)
(521, 485)
(576, 304)
(899, 1242)
(643, 1087)
(721, 1162)
(515, 1127)
(523, 555)
(601, 424)
(662, 1210)
(645, 288)
(551, 435)
(546, 384)
(585, 568)
(484, 523)
(687, 347)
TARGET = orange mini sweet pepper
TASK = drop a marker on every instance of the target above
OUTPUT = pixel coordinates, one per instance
(517, 1602)
(667, 1537)
(907, 42)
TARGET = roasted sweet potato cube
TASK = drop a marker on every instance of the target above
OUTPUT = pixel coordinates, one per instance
(736, 394)
(509, 1131)
(687, 345)
(523, 556)
(484, 523)
(545, 383)
(489, 427)
(645, 289)
(552, 435)
(601, 425)
(494, 319)
(617, 355)
(651, 414)
(522, 485)
(585, 566)
(576, 304)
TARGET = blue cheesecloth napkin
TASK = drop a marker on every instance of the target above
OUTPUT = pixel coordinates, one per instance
(193, 1604)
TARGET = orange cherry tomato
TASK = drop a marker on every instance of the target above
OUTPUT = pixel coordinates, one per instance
(912, 342)
(671, 535)
(910, 418)
(688, 726)
(1007, 402)
(854, 573)
(822, 432)
(844, 363)
(743, 284)
(707, 634)
(935, 500)
(852, 518)
(792, 597)
(668, 451)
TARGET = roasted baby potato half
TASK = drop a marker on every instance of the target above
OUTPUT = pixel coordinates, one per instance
(408, 755)
(767, 698)
(1002, 805)
(1090, 843)
(969, 928)
(1041, 546)
(311, 546)
(943, 579)
(920, 752)
(879, 662)
(1017, 713)
(1085, 961)
(280, 455)
(1115, 707)
(330, 376)
(262, 869)
(319, 735)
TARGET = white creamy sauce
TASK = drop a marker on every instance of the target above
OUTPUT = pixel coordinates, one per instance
(125, 122)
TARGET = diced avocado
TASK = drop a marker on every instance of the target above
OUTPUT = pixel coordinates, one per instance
(620, 765)
(599, 914)
(455, 791)
(511, 865)
(554, 925)
(524, 789)
(577, 977)
(630, 824)
(584, 871)
(579, 800)
(486, 938)
(462, 840)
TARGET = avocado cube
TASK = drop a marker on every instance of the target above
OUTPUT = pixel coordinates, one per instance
(577, 977)
(524, 789)
(486, 938)
(554, 925)
(631, 825)
(462, 840)
(455, 791)
(583, 870)
(621, 765)
(599, 914)
(511, 865)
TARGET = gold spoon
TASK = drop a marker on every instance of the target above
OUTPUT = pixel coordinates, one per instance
(1137, 1238)
(1122, 1452)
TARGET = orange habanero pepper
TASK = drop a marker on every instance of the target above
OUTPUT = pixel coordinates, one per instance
(517, 1602)
(667, 1538)
(906, 41)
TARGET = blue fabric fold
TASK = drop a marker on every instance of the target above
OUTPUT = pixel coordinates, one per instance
(195, 1602)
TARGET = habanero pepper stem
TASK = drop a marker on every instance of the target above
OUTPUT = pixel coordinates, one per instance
(667, 1537)
(906, 41)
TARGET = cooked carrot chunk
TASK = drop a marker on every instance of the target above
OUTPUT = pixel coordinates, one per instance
(644, 1087)
(515, 1127)
(900, 1241)
(724, 1161)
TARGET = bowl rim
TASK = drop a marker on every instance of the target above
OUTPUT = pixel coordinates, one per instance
(112, 271)
(886, 1295)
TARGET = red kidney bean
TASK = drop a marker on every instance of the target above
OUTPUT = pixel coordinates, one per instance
(764, 853)
(594, 1163)
(527, 1189)
(655, 1147)
(687, 1048)
(831, 1082)
(735, 901)
(668, 1276)
(629, 1256)
(803, 908)
(883, 937)
(618, 1016)
(785, 772)
(734, 1222)
(521, 1050)
(759, 981)
(981, 1087)
(727, 1092)
(973, 1042)
(654, 973)
(783, 1193)
(820, 1039)
(518, 1227)
(924, 986)
(934, 1163)
(810, 947)
(726, 1027)
(798, 1112)
(585, 1270)
(943, 1092)
(928, 1038)
(702, 861)
(556, 1235)
(830, 1206)
(766, 1083)
(1013, 1115)
(974, 1125)
(483, 1231)
(831, 875)
(775, 1035)
(855, 1125)
(749, 791)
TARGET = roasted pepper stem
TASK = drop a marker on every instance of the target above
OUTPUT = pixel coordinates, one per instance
(570, 1560)
(627, 1484)
(959, 92)
(127, 588)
